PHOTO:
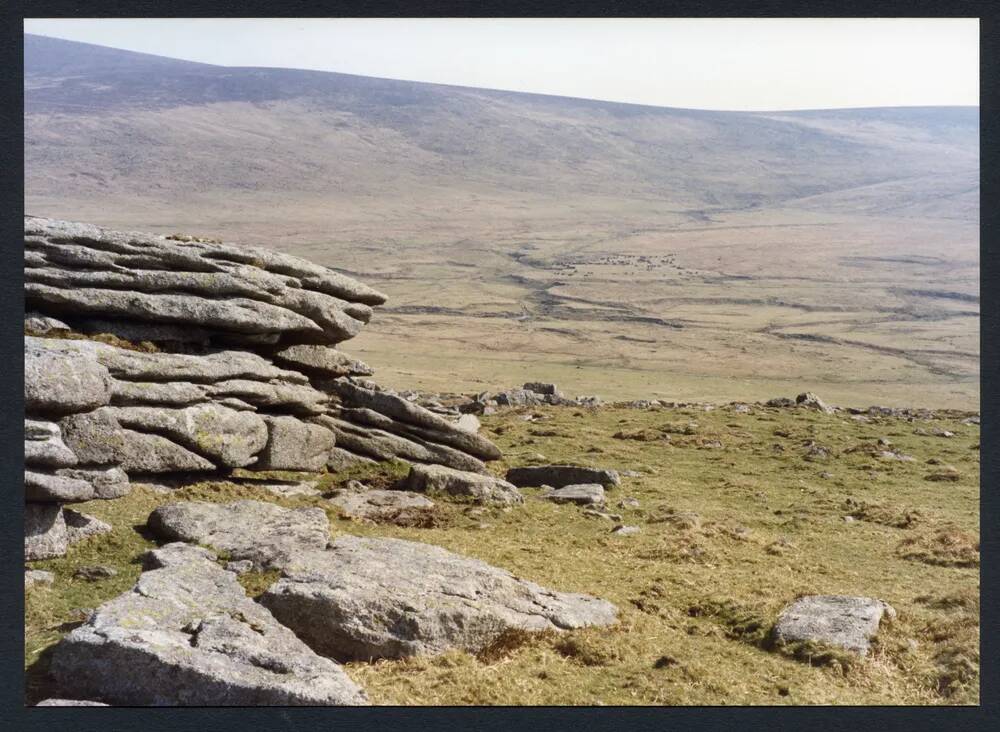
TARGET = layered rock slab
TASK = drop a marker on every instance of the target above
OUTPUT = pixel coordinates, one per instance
(264, 533)
(387, 598)
(187, 634)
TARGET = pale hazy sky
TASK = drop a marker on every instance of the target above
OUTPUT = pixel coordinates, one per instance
(748, 64)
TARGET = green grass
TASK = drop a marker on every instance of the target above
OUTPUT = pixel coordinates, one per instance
(728, 537)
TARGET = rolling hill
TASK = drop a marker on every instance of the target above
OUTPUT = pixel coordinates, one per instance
(620, 249)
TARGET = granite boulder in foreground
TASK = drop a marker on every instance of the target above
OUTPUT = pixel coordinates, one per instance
(264, 533)
(387, 598)
(838, 620)
(187, 635)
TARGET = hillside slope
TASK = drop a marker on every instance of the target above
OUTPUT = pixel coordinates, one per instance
(769, 247)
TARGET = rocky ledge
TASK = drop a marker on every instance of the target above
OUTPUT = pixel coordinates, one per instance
(148, 355)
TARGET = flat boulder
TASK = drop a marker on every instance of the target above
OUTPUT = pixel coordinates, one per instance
(440, 480)
(387, 598)
(187, 635)
(838, 620)
(266, 534)
(584, 494)
(379, 505)
(558, 476)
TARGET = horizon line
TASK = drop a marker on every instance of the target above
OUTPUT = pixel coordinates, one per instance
(509, 91)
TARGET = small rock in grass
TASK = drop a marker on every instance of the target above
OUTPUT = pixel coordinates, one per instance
(622, 530)
(586, 494)
(80, 526)
(34, 577)
(848, 622)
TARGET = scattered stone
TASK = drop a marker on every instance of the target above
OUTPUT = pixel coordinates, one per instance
(266, 534)
(241, 566)
(848, 622)
(44, 531)
(34, 577)
(80, 526)
(469, 423)
(539, 387)
(811, 401)
(175, 553)
(92, 574)
(380, 505)
(780, 402)
(585, 494)
(440, 480)
(942, 433)
(386, 598)
(628, 503)
(187, 634)
(559, 476)
(622, 530)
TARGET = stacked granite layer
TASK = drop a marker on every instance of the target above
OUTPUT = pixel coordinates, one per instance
(146, 355)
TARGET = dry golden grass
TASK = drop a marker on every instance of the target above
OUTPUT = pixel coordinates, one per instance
(728, 537)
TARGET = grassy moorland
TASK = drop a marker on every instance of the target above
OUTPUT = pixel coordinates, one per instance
(739, 514)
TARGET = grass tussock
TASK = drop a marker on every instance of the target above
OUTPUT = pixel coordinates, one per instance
(943, 548)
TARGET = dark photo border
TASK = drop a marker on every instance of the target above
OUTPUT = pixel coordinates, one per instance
(14, 716)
